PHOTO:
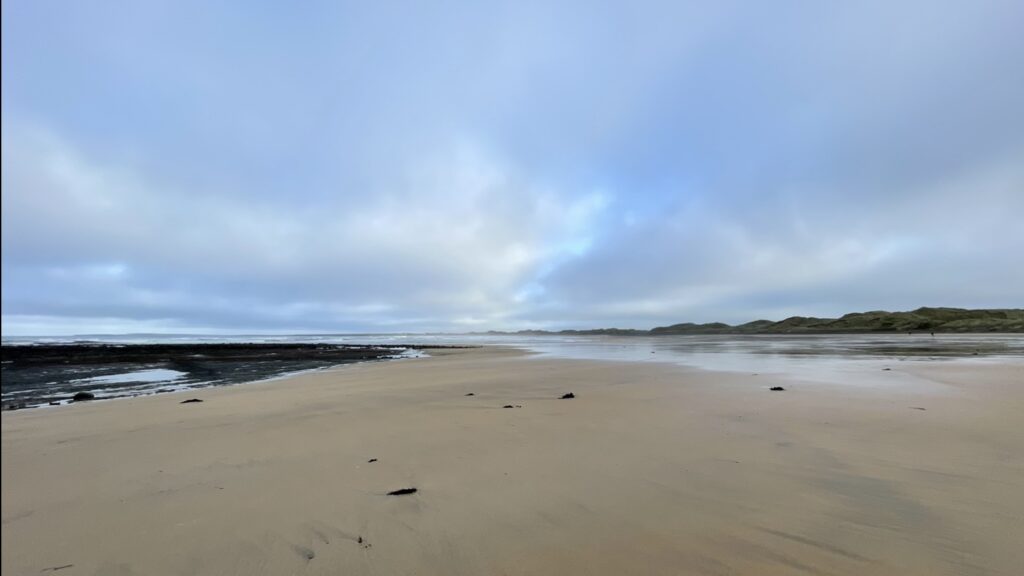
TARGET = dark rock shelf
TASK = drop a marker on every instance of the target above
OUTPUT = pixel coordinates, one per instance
(35, 375)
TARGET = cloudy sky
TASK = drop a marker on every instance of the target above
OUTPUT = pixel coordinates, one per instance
(184, 166)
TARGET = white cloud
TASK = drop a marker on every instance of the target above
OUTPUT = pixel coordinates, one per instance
(461, 232)
(507, 166)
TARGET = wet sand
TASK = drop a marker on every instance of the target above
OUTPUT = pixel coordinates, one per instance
(651, 469)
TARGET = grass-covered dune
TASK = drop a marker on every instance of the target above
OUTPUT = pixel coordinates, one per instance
(920, 320)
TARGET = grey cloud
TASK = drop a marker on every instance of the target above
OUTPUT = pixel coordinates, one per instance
(509, 166)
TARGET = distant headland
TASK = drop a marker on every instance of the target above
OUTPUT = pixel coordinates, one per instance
(958, 320)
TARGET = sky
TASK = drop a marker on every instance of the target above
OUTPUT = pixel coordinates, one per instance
(195, 166)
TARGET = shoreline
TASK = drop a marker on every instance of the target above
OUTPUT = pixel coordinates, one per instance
(35, 382)
(40, 375)
(198, 389)
(653, 468)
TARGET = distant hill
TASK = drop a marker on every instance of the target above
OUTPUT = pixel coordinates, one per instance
(920, 320)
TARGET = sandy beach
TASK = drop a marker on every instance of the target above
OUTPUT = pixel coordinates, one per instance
(651, 469)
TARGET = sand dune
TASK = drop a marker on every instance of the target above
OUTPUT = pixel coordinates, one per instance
(651, 469)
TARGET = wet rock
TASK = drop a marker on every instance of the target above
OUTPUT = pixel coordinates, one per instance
(83, 396)
(34, 367)
(190, 401)
(777, 389)
(55, 403)
(568, 396)
(403, 492)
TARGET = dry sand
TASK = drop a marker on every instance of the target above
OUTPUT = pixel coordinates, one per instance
(652, 469)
